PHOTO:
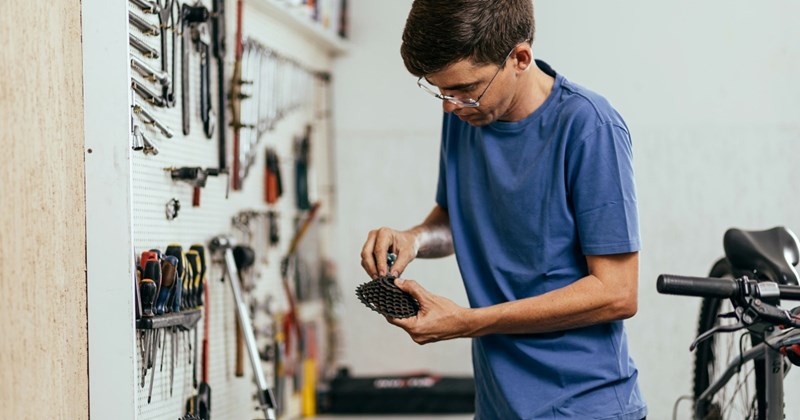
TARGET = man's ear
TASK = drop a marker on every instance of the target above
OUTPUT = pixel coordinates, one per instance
(523, 58)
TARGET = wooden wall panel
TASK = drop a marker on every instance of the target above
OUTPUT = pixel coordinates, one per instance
(43, 349)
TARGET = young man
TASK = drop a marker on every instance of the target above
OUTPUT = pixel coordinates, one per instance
(536, 198)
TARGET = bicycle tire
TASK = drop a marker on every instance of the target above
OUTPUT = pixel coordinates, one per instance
(709, 351)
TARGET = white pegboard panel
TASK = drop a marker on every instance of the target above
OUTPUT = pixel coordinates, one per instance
(153, 188)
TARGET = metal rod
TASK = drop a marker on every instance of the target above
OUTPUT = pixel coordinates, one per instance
(142, 47)
(146, 27)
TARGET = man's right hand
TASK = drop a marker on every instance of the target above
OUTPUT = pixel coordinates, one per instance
(379, 243)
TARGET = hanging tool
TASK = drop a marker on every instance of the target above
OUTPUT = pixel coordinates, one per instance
(147, 118)
(202, 40)
(137, 139)
(218, 28)
(142, 47)
(204, 391)
(302, 163)
(244, 257)
(273, 186)
(147, 94)
(146, 6)
(150, 73)
(146, 27)
(223, 245)
(190, 17)
(168, 14)
(194, 176)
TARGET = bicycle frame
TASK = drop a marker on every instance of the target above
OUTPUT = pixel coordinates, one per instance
(774, 375)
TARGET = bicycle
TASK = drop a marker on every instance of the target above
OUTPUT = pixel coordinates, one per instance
(747, 286)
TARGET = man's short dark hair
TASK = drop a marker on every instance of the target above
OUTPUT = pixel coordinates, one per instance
(441, 32)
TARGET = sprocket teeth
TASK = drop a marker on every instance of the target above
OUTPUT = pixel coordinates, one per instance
(383, 296)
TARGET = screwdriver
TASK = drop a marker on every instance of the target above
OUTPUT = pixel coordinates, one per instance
(193, 258)
(201, 252)
(176, 251)
(168, 273)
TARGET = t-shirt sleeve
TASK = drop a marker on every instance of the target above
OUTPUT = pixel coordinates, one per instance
(602, 191)
(441, 189)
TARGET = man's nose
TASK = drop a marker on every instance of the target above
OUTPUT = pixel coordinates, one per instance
(449, 106)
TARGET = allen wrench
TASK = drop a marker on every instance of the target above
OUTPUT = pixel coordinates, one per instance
(146, 27)
(150, 120)
(146, 6)
(142, 47)
(147, 94)
(150, 73)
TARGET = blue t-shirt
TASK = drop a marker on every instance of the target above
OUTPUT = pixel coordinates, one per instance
(527, 201)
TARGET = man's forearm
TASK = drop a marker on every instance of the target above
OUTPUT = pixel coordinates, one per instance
(434, 239)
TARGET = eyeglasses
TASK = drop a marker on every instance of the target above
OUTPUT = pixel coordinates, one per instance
(465, 102)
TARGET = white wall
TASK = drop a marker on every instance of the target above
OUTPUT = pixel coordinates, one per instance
(709, 92)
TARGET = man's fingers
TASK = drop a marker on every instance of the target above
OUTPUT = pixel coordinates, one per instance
(404, 256)
(367, 256)
(383, 240)
(413, 288)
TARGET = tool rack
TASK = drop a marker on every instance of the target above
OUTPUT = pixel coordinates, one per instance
(127, 192)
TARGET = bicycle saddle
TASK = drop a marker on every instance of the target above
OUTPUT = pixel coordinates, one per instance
(773, 252)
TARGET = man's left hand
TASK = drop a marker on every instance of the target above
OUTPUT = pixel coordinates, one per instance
(438, 318)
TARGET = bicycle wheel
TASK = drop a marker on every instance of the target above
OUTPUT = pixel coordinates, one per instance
(743, 396)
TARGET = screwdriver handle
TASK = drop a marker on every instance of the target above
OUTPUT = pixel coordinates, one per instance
(188, 275)
(176, 251)
(201, 253)
(147, 292)
(168, 272)
(194, 283)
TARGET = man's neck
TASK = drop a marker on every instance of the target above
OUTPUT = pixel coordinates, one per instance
(534, 88)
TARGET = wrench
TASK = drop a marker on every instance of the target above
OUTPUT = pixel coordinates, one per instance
(150, 73)
(137, 109)
(142, 25)
(142, 47)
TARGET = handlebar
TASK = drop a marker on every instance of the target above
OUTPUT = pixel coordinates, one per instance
(724, 288)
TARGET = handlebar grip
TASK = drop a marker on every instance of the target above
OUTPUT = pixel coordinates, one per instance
(696, 286)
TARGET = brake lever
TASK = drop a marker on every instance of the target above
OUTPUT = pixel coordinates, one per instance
(718, 329)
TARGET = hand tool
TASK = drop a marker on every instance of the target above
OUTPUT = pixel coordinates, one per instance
(223, 245)
(146, 27)
(274, 232)
(150, 73)
(142, 47)
(273, 186)
(146, 6)
(218, 28)
(235, 98)
(192, 258)
(204, 391)
(137, 139)
(147, 94)
(168, 15)
(202, 40)
(194, 176)
(149, 147)
(176, 251)
(169, 272)
(244, 257)
(301, 165)
(201, 261)
(190, 16)
(148, 118)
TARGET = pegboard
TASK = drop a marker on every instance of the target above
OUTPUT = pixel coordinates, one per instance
(152, 188)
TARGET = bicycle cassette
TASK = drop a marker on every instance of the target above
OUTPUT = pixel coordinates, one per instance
(383, 296)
